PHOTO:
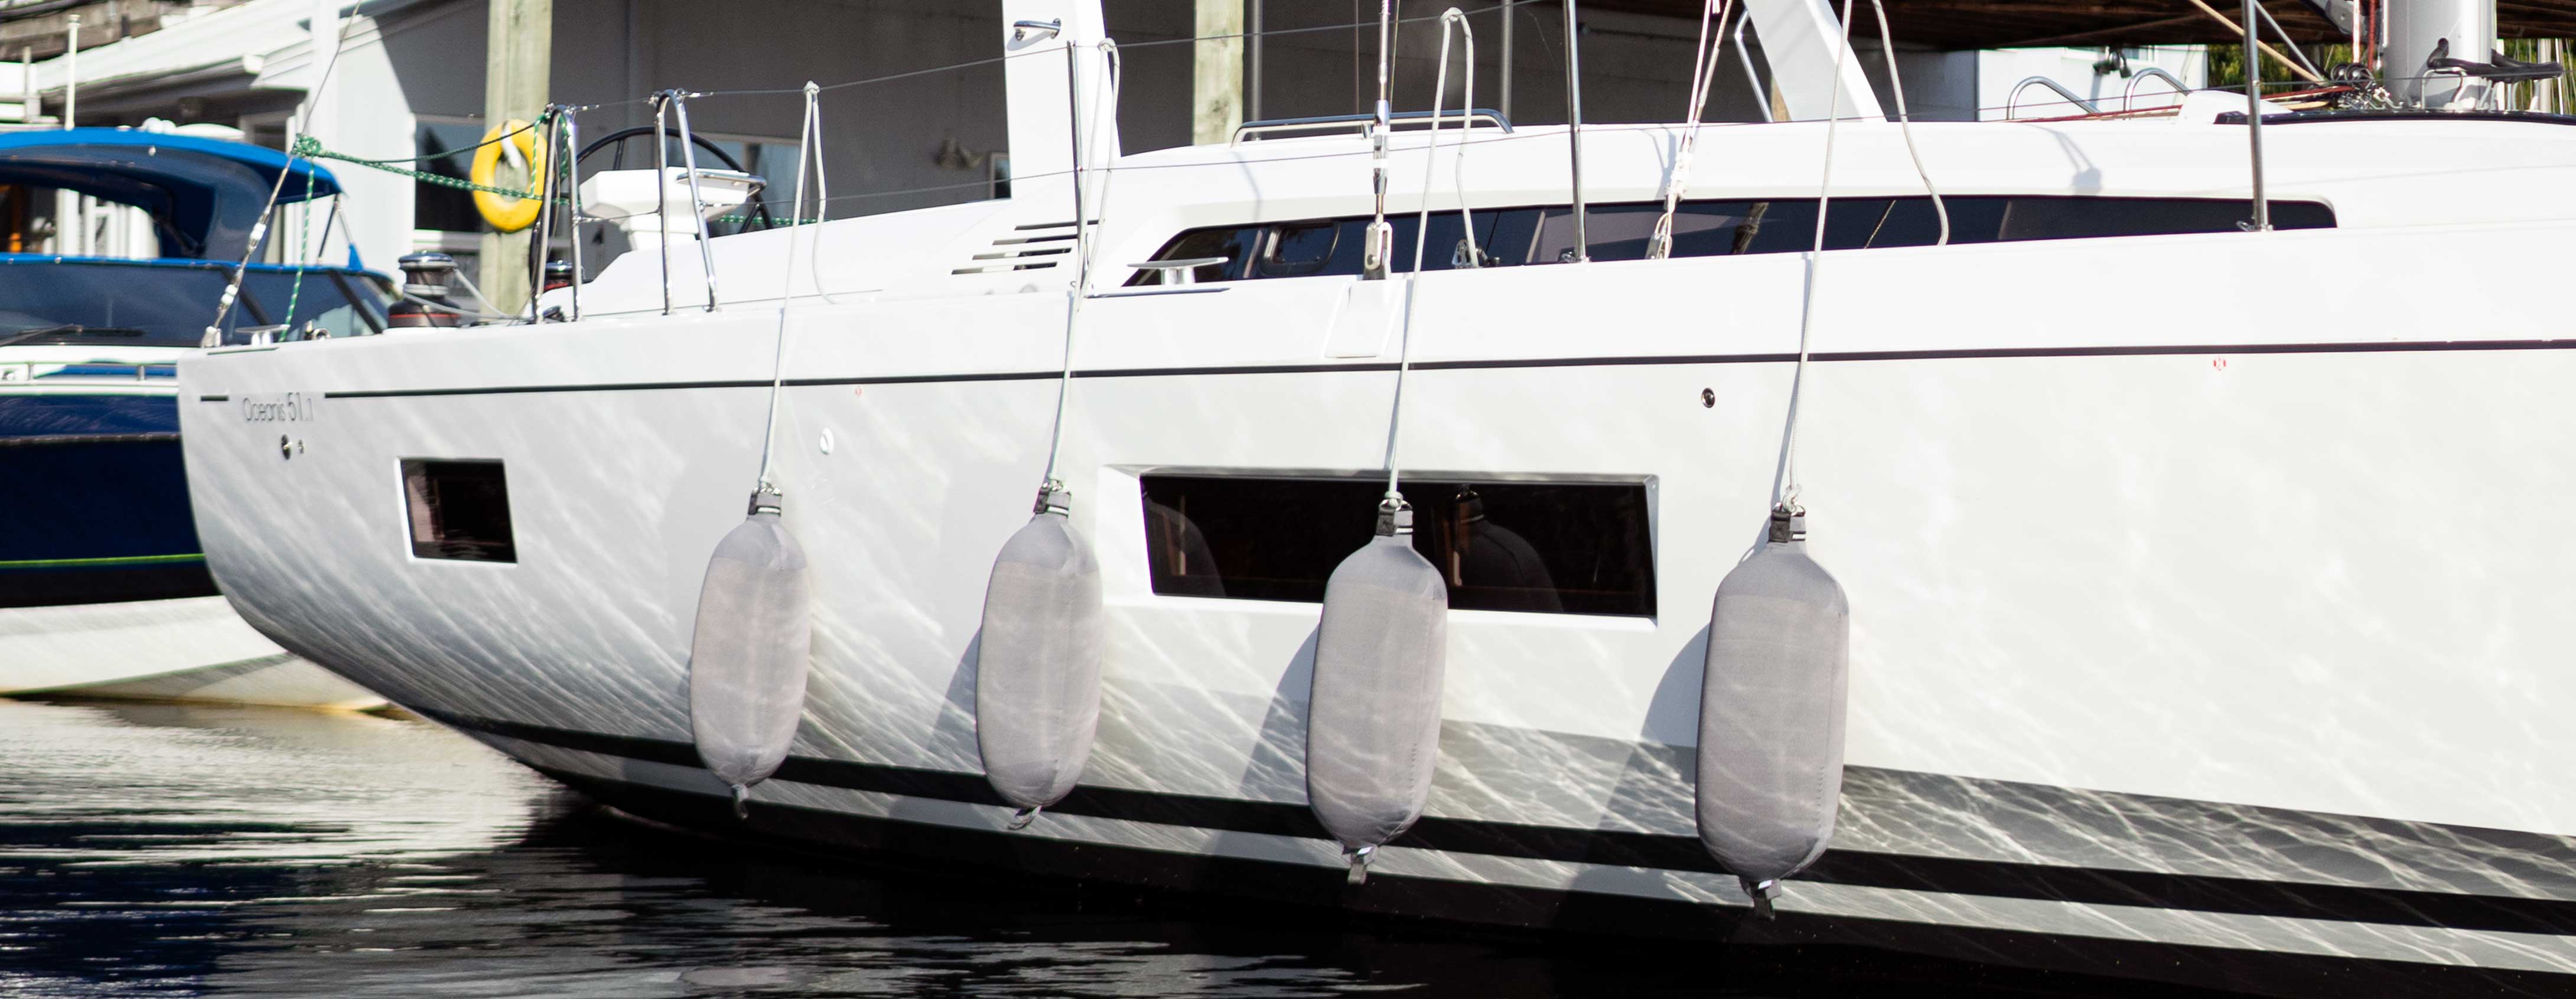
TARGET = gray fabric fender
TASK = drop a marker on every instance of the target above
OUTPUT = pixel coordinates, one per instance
(1373, 714)
(1037, 669)
(749, 652)
(1771, 711)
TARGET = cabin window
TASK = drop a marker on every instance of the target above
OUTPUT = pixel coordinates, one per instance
(459, 510)
(1540, 547)
(1235, 245)
(1508, 237)
(1301, 248)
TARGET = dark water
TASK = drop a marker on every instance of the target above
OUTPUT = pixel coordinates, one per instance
(167, 850)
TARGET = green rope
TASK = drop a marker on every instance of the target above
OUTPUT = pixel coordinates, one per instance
(311, 148)
(774, 223)
(303, 246)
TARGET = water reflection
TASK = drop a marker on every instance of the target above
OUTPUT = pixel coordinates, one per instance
(164, 850)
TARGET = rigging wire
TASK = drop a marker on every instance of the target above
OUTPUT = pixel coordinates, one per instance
(1704, 60)
(1379, 236)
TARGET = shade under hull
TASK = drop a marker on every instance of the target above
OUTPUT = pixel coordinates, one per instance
(193, 649)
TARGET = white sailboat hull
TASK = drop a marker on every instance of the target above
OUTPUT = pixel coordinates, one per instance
(2144, 610)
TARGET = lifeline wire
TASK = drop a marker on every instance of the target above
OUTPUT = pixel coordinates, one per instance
(1422, 226)
(1704, 60)
(1085, 244)
(1896, 85)
(778, 348)
(1807, 306)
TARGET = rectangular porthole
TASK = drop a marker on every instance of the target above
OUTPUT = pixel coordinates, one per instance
(459, 510)
(1540, 547)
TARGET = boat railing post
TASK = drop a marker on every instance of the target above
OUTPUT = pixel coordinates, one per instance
(1574, 128)
(572, 211)
(662, 188)
(2254, 118)
(698, 199)
(543, 185)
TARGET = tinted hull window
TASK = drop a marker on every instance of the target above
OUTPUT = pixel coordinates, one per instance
(459, 510)
(1541, 547)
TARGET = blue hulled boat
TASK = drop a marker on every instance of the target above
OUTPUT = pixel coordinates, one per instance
(103, 586)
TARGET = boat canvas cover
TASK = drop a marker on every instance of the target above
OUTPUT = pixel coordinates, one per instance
(204, 195)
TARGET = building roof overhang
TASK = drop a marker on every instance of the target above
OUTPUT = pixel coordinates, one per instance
(1995, 24)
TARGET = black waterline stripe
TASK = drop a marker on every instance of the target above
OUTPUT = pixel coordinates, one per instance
(1942, 875)
(1666, 360)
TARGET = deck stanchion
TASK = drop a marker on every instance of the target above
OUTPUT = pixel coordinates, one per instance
(1574, 128)
(697, 199)
(2254, 119)
(572, 189)
(544, 186)
(662, 188)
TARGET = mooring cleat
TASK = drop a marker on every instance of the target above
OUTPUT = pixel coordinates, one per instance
(1021, 819)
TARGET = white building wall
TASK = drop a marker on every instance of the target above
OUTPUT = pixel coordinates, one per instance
(367, 113)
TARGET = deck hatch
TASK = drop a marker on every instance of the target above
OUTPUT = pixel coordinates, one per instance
(1550, 547)
(459, 510)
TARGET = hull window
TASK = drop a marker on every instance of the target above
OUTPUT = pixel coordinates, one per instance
(1538, 547)
(1514, 237)
(459, 510)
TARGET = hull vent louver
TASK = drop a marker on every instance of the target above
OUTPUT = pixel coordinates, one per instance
(1025, 248)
